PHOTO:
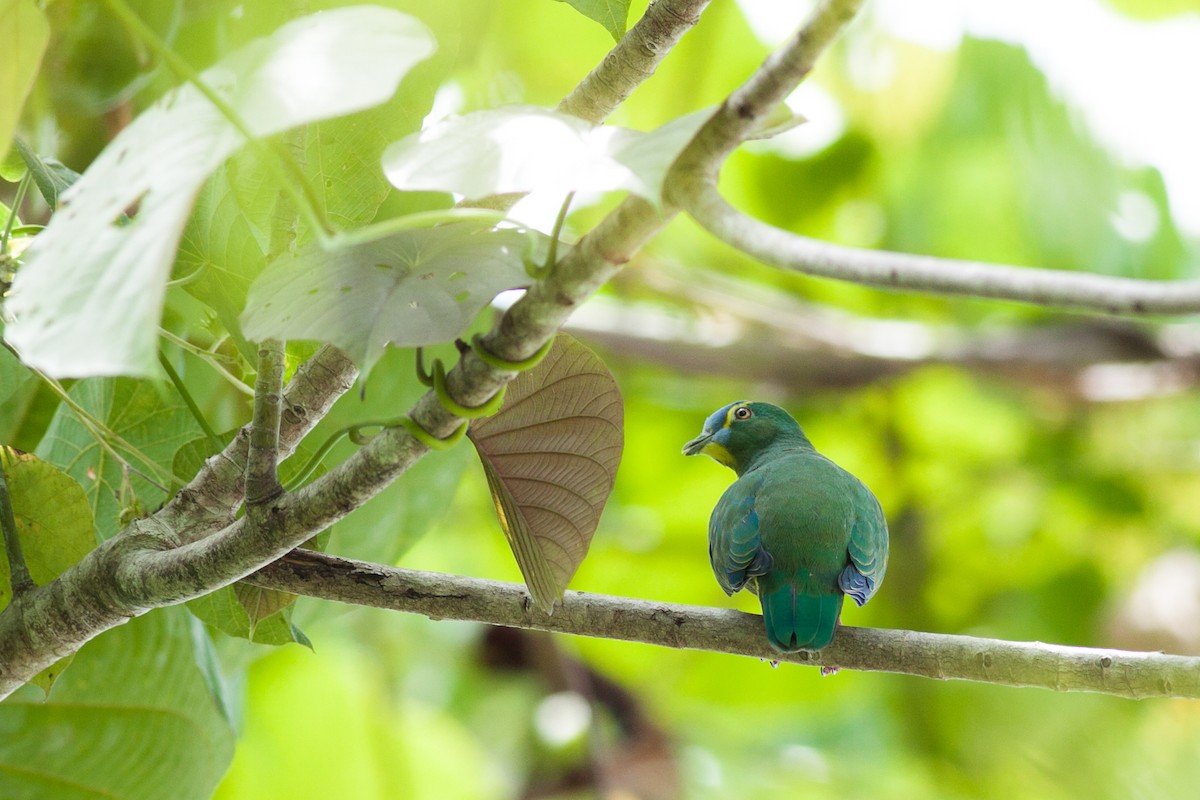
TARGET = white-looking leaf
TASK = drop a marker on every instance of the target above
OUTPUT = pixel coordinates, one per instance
(526, 148)
(89, 297)
(413, 288)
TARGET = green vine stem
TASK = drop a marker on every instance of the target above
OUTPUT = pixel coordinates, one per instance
(493, 360)
(18, 199)
(189, 401)
(18, 571)
(542, 271)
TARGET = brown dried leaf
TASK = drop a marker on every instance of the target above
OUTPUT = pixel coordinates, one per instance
(551, 455)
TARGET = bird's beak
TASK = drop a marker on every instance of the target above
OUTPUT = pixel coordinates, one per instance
(697, 445)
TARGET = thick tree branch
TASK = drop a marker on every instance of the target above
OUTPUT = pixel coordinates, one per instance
(930, 655)
(633, 60)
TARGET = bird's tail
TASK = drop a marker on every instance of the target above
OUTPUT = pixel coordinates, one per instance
(797, 621)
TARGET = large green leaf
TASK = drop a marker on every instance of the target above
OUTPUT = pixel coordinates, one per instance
(132, 719)
(551, 455)
(54, 527)
(12, 375)
(151, 426)
(415, 287)
(526, 148)
(89, 297)
(24, 33)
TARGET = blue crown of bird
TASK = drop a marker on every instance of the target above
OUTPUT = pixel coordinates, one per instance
(794, 528)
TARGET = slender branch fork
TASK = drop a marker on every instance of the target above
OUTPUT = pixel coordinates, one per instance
(691, 186)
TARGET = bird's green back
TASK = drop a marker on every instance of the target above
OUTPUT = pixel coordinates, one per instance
(795, 528)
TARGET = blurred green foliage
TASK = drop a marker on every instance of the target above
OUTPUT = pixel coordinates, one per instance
(1019, 509)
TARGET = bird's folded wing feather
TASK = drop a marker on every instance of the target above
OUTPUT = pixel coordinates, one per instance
(734, 544)
(868, 547)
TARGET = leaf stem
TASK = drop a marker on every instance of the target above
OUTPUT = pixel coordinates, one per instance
(541, 272)
(18, 571)
(188, 400)
(209, 357)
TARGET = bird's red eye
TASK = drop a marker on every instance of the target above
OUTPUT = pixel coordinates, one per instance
(742, 413)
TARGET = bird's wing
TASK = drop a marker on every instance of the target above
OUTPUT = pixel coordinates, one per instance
(868, 549)
(734, 546)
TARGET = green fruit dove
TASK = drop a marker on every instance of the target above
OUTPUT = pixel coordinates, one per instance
(794, 528)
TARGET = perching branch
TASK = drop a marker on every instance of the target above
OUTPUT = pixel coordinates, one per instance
(209, 501)
(931, 655)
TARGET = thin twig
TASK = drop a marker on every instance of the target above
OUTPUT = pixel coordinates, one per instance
(262, 459)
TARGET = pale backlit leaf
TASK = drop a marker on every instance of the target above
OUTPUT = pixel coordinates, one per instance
(526, 149)
(413, 288)
(89, 297)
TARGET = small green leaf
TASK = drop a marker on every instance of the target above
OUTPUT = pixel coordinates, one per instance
(89, 297)
(51, 177)
(13, 167)
(152, 426)
(781, 119)
(612, 14)
(54, 522)
(550, 456)
(527, 148)
(259, 604)
(225, 610)
(416, 287)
